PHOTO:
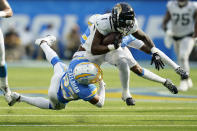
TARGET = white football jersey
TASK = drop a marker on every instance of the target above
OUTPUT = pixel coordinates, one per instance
(182, 19)
(102, 23)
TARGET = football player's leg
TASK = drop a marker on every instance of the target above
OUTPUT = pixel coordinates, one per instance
(39, 102)
(186, 46)
(118, 59)
(43, 103)
(3, 71)
(53, 91)
(124, 74)
(145, 73)
(183, 84)
(45, 44)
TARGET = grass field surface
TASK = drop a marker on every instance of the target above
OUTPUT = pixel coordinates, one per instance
(156, 108)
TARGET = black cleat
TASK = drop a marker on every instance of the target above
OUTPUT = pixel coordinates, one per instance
(130, 101)
(184, 75)
(171, 87)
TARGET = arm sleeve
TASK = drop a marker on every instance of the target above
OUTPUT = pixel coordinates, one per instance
(103, 25)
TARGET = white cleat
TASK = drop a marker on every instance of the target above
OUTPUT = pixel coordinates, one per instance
(50, 39)
(15, 98)
(7, 93)
(183, 85)
(189, 83)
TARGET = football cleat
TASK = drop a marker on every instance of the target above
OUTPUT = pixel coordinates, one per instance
(50, 39)
(130, 101)
(184, 75)
(183, 85)
(171, 87)
(6, 93)
(15, 98)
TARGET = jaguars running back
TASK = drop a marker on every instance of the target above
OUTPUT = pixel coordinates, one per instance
(122, 19)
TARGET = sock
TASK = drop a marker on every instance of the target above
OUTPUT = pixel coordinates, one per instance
(3, 76)
(151, 76)
(124, 74)
(168, 60)
(50, 53)
(40, 102)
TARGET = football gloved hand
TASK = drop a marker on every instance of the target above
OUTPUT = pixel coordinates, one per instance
(156, 59)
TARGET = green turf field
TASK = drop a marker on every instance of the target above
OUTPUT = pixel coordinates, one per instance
(153, 111)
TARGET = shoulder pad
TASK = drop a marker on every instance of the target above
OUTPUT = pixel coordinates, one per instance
(103, 24)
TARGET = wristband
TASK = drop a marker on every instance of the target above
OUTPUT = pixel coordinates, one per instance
(154, 50)
(111, 47)
(2, 14)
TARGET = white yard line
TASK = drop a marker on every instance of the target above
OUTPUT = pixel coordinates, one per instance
(107, 108)
(94, 115)
(98, 125)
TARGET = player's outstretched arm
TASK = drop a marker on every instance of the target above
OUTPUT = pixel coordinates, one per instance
(6, 10)
(149, 47)
(99, 98)
(139, 34)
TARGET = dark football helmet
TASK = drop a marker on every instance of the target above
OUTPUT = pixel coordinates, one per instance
(123, 17)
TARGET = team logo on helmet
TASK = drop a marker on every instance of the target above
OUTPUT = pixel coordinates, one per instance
(87, 73)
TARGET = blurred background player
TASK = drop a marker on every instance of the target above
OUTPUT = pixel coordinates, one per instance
(5, 11)
(67, 84)
(183, 29)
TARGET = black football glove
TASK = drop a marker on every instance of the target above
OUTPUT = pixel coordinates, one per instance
(117, 41)
(156, 59)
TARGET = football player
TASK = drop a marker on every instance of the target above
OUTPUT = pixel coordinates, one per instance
(5, 11)
(68, 83)
(182, 15)
(122, 19)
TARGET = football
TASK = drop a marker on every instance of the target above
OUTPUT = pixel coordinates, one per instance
(111, 37)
